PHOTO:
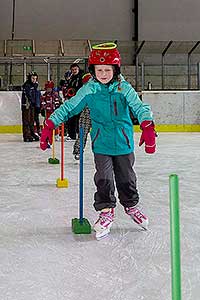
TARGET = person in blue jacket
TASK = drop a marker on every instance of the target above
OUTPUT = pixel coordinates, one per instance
(109, 98)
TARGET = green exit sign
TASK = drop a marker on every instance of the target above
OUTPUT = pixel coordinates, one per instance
(29, 48)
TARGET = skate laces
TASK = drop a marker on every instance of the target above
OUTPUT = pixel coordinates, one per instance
(136, 213)
(105, 218)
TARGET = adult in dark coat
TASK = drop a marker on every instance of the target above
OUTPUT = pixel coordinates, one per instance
(29, 106)
(73, 82)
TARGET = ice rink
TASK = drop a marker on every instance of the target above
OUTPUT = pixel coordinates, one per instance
(40, 257)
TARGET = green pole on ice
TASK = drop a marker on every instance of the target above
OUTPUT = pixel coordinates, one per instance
(175, 237)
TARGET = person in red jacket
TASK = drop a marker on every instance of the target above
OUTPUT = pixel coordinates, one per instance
(50, 101)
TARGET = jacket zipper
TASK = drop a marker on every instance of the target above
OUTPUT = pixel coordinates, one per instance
(96, 136)
(126, 137)
(115, 108)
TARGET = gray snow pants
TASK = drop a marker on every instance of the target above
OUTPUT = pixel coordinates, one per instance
(121, 168)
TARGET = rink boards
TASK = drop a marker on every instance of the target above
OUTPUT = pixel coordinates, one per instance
(173, 110)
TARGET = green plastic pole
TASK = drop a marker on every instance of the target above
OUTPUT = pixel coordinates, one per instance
(175, 237)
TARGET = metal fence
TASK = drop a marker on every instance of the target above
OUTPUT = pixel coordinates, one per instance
(13, 72)
(163, 65)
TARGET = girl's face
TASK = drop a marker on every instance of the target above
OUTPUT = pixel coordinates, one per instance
(104, 73)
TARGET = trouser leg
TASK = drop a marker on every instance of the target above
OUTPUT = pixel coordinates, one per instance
(25, 123)
(125, 179)
(72, 127)
(104, 196)
(31, 121)
(77, 123)
(36, 119)
(65, 128)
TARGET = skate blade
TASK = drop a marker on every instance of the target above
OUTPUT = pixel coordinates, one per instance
(144, 227)
(102, 235)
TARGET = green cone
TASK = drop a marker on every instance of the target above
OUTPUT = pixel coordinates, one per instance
(83, 227)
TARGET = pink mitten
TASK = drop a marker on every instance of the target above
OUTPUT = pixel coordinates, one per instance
(47, 134)
(148, 136)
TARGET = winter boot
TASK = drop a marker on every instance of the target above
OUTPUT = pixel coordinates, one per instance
(35, 137)
(29, 139)
(104, 223)
(57, 138)
(137, 216)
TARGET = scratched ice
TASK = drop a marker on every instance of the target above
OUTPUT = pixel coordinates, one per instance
(40, 257)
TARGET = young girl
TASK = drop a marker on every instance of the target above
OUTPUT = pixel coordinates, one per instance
(109, 98)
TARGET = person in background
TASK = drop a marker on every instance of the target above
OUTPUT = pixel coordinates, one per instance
(29, 105)
(64, 84)
(109, 98)
(84, 122)
(37, 127)
(50, 101)
(64, 89)
(73, 82)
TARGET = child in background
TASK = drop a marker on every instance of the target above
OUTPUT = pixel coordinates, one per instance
(84, 122)
(109, 98)
(49, 102)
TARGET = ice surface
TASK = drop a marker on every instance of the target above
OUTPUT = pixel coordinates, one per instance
(40, 257)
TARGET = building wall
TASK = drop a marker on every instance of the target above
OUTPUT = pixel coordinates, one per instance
(61, 19)
(5, 19)
(169, 20)
(104, 20)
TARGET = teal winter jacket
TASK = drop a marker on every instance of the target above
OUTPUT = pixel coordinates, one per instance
(112, 128)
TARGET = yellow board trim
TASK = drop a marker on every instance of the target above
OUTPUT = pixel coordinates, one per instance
(174, 128)
(159, 128)
(10, 128)
(178, 128)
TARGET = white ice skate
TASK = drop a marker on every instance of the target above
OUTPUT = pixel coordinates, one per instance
(68, 139)
(77, 156)
(103, 224)
(57, 138)
(137, 216)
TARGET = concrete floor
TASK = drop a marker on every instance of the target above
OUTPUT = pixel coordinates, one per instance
(40, 257)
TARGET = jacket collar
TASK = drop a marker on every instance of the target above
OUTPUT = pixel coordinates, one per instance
(112, 85)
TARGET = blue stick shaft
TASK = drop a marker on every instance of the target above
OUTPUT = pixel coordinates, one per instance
(81, 175)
